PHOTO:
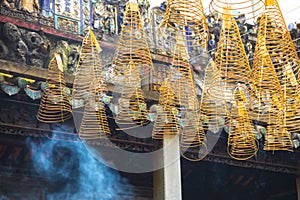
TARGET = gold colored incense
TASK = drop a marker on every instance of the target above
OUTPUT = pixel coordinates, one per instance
(166, 124)
(231, 60)
(94, 123)
(55, 103)
(132, 107)
(132, 45)
(242, 144)
(89, 68)
(187, 18)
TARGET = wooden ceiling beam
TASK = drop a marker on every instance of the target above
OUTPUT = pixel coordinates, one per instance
(40, 74)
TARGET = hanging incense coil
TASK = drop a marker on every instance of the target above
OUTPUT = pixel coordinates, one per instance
(181, 78)
(167, 97)
(94, 123)
(286, 62)
(132, 107)
(268, 99)
(279, 43)
(166, 124)
(89, 68)
(277, 136)
(291, 98)
(55, 103)
(186, 18)
(132, 45)
(270, 103)
(242, 144)
(231, 60)
(213, 112)
(193, 137)
(192, 133)
(182, 83)
(241, 9)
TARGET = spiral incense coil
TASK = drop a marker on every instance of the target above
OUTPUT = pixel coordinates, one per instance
(192, 133)
(268, 99)
(277, 136)
(167, 98)
(248, 10)
(242, 144)
(185, 17)
(194, 154)
(291, 115)
(213, 112)
(132, 45)
(166, 124)
(55, 103)
(189, 141)
(132, 107)
(89, 68)
(94, 123)
(231, 60)
(181, 78)
(279, 42)
(278, 139)
(212, 81)
(182, 83)
(286, 62)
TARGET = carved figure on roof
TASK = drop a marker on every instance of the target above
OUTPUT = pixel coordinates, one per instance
(31, 6)
(33, 39)
(9, 4)
(73, 59)
(11, 32)
(21, 50)
(99, 10)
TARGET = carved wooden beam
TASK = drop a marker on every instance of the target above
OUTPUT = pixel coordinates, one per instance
(40, 74)
(34, 25)
(36, 73)
(50, 30)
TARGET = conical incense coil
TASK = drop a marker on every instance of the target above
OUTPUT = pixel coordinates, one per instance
(182, 83)
(94, 123)
(182, 80)
(89, 68)
(185, 17)
(231, 60)
(241, 9)
(268, 99)
(278, 139)
(132, 107)
(278, 39)
(132, 45)
(242, 144)
(166, 124)
(213, 112)
(192, 133)
(193, 138)
(286, 63)
(277, 136)
(279, 43)
(167, 97)
(55, 103)
(291, 114)
(291, 94)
